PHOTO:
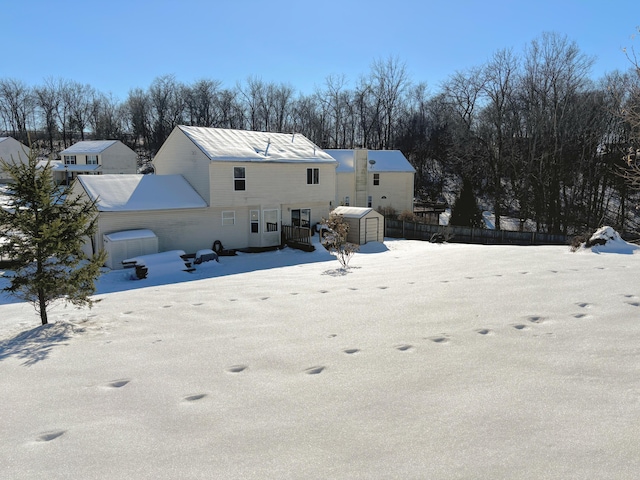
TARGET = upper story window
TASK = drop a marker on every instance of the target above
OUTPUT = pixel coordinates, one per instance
(376, 179)
(239, 178)
(92, 159)
(313, 176)
(69, 159)
(369, 201)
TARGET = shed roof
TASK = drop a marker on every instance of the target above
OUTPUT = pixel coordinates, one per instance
(222, 144)
(89, 146)
(135, 192)
(354, 212)
(383, 161)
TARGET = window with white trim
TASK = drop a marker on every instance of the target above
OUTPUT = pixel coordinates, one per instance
(301, 217)
(92, 159)
(270, 220)
(376, 179)
(313, 176)
(369, 201)
(346, 201)
(239, 178)
(69, 159)
(228, 217)
(255, 221)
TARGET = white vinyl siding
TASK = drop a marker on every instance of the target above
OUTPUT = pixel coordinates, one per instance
(269, 184)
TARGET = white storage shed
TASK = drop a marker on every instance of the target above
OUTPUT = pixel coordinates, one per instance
(365, 224)
(127, 244)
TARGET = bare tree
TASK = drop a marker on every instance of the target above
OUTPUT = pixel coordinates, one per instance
(203, 103)
(389, 83)
(48, 101)
(16, 107)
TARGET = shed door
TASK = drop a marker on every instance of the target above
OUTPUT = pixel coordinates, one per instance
(371, 230)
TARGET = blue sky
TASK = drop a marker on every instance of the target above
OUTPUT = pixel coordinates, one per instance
(119, 45)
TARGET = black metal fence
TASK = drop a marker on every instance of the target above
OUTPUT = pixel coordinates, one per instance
(420, 231)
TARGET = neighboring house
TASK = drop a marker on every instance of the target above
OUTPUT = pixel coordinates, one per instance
(95, 157)
(378, 179)
(253, 182)
(164, 204)
(11, 150)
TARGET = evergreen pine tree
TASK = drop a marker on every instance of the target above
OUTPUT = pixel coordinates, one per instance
(44, 228)
(465, 211)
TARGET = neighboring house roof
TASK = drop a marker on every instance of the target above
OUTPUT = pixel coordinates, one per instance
(134, 192)
(383, 161)
(243, 145)
(353, 212)
(88, 146)
(59, 166)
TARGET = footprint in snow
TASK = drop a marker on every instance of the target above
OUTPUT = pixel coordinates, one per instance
(351, 351)
(195, 397)
(51, 435)
(404, 347)
(314, 370)
(237, 368)
(519, 326)
(536, 319)
(117, 383)
(439, 339)
(484, 331)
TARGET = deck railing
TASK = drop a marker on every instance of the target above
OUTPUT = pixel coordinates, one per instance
(291, 233)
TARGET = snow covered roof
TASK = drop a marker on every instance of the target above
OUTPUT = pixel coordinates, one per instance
(353, 212)
(384, 161)
(88, 146)
(247, 146)
(129, 235)
(134, 192)
(58, 166)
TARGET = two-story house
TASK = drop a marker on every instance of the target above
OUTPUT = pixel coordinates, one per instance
(378, 179)
(233, 186)
(94, 157)
(252, 181)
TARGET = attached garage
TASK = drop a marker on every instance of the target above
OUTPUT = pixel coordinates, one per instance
(365, 224)
(127, 244)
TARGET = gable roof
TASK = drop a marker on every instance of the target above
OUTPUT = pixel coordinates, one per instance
(223, 144)
(383, 161)
(89, 146)
(354, 212)
(135, 192)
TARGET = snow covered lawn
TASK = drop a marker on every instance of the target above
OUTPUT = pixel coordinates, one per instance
(423, 361)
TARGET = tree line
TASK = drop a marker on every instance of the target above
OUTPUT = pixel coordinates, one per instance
(532, 133)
